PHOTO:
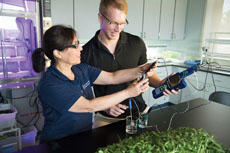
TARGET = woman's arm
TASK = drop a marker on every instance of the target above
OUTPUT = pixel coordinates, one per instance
(124, 75)
(105, 102)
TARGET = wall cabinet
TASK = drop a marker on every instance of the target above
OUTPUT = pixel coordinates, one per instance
(149, 19)
(62, 12)
(173, 18)
(216, 82)
(143, 16)
(86, 18)
(134, 16)
(158, 19)
(78, 14)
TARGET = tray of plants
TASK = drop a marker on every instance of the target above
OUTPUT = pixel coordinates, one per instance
(182, 139)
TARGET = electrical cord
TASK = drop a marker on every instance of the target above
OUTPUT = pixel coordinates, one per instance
(187, 109)
(210, 69)
(188, 102)
(36, 115)
(35, 102)
(178, 112)
(19, 97)
(138, 110)
(188, 106)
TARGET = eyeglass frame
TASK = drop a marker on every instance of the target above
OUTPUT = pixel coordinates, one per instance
(114, 23)
(74, 45)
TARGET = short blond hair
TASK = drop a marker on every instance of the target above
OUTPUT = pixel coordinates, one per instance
(119, 4)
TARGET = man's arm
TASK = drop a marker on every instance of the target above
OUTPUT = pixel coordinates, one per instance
(155, 81)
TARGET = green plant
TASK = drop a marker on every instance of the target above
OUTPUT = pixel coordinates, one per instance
(180, 140)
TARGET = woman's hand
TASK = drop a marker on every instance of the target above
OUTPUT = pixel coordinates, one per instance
(116, 110)
(137, 88)
(148, 69)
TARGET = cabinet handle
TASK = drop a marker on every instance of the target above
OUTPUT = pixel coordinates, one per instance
(218, 80)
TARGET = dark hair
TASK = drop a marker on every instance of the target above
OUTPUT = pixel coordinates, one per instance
(57, 37)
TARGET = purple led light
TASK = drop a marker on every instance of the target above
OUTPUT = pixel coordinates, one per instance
(18, 84)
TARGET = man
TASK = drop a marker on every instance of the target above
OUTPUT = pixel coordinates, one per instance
(112, 49)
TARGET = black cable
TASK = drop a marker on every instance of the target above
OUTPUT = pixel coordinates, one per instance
(21, 96)
(199, 106)
(1, 98)
(37, 109)
(36, 115)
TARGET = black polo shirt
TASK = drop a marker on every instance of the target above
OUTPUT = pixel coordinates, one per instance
(129, 53)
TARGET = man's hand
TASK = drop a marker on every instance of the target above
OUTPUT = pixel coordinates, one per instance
(116, 110)
(167, 92)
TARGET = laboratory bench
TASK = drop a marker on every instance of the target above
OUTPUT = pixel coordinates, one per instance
(211, 116)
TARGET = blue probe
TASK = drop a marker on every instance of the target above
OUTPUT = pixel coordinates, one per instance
(130, 104)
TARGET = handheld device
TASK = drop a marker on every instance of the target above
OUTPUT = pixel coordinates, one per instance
(175, 82)
(143, 76)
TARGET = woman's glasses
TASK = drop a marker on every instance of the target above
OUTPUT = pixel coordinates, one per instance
(74, 45)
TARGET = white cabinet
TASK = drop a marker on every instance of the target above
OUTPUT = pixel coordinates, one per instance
(86, 18)
(189, 92)
(143, 17)
(62, 12)
(78, 14)
(151, 19)
(172, 20)
(134, 16)
(180, 19)
(157, 19)
(216, 82)
(210, 88)
(166, 21)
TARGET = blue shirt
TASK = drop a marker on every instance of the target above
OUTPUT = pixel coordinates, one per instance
(57, 94)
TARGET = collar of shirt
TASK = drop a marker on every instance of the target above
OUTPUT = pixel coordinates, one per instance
(60, 75)
(122, 40)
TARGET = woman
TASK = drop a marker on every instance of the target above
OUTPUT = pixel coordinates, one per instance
(65, 89)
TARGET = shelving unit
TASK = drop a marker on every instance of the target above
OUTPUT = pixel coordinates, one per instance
(217, 49)
(10, 134)
(11, 144)
(19, 36)
(14, 60)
